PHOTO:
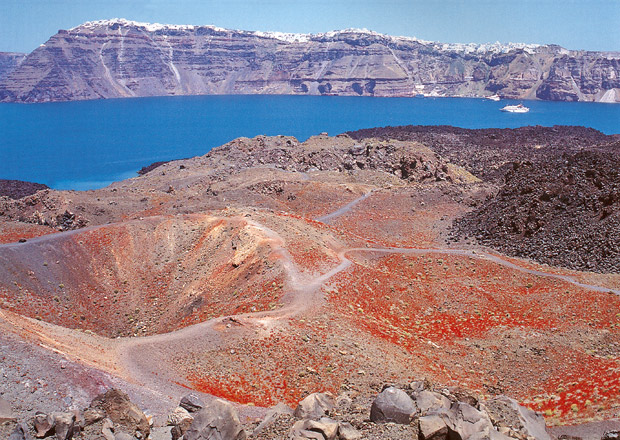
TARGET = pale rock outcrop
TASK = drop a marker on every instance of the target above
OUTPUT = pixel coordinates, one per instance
(314, 406)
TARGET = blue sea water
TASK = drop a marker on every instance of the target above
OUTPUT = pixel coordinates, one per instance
(89, 144)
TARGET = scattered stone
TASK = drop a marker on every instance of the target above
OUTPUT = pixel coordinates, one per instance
(192, 403)
(611, 435)
(216, 421)
(315, 406)
(392, 405)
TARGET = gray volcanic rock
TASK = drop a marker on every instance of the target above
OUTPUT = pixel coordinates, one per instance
(120, 58)
(217, 421)
(314, 406)
(9, 62)
(393, 405)
(192, 403)
(505, 412)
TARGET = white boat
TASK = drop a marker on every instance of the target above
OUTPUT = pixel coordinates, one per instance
(493, 97)
(519, 108)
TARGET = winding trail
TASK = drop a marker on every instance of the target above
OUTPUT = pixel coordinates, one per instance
(346, 208)
(303, 293)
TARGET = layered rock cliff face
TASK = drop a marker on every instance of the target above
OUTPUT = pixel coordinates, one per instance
(119, 58)
(9, 62)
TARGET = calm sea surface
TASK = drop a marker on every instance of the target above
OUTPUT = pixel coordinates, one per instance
(87, 145)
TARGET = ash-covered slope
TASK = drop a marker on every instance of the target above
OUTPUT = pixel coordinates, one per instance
(120, 58)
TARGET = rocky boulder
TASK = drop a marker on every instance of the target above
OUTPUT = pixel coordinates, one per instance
(461, 421)
(347, 432)
(122, 412)
(507, 415)
(393, 405)
(432, 427)
(315, 406)
(60, 424)
(216, 421)
(63, 425)
(43, 424)
(180, 420)
(192, 403)
(429, 401)
(322, 429)
(20, 433)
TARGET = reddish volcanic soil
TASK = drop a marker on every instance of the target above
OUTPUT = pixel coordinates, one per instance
(269, 269)
(10, 232)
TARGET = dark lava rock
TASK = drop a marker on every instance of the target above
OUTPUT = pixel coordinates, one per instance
(563, 211)
(16, 189)
(486, 152)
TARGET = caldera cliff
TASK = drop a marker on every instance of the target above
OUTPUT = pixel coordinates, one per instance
(120, 58)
